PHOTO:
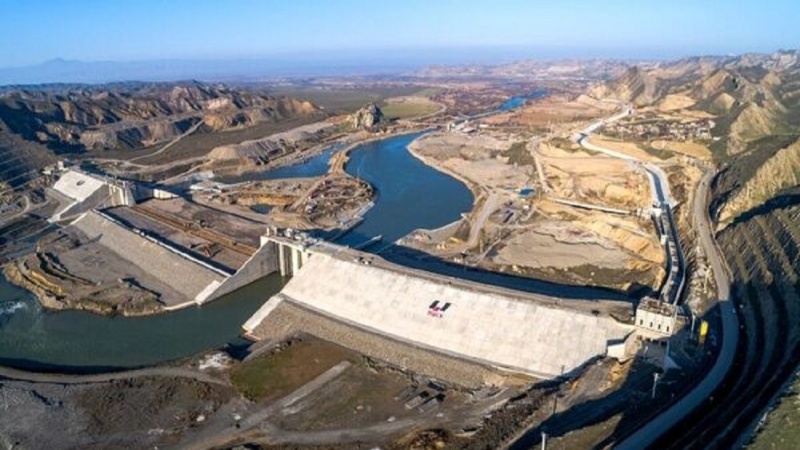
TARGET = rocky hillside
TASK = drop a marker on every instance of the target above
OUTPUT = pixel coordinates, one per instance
(20, 161)
(754, 96)
(366, 118)
(128, 116)
(755, 100)
(775, 175)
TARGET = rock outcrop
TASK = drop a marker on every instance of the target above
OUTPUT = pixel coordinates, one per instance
(367, 118)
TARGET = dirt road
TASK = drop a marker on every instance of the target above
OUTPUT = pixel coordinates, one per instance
(175, 372)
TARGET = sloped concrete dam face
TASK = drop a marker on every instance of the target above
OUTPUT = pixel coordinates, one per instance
(493, 328)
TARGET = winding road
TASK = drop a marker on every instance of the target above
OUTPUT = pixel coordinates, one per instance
(666, 420)
(659, 426)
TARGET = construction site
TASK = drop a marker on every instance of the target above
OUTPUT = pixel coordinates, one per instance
(132, 251)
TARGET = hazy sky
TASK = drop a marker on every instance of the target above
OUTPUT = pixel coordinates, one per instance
(34, 31)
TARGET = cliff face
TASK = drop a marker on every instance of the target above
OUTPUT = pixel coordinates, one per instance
(778, 173)
(137, 115)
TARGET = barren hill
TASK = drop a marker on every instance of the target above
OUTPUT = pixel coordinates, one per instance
(136, 115)
(755, 99)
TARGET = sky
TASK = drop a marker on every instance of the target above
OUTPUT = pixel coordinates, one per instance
(35, 31)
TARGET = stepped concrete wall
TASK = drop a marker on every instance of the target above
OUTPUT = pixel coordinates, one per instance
(77, 185)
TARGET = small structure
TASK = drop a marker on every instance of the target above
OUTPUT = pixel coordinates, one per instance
(526, 192)
(655, 319)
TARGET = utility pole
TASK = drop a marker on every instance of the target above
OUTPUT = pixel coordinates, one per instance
(655, 383)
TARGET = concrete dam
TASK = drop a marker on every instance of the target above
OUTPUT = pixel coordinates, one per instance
(510, 330)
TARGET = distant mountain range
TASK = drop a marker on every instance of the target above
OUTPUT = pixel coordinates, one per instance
(296, 65)
(67, 71)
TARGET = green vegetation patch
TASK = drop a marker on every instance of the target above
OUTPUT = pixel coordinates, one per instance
(657, 152)
(518, 154)
(428, 92)
(287, 368)
(407, 110)
(342, 100)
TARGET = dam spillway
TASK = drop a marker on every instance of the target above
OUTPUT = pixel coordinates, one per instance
(538, 335)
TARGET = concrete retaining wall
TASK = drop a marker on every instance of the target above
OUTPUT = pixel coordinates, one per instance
(261, 264)
(77, 185)
(96, 199)
(185, 276)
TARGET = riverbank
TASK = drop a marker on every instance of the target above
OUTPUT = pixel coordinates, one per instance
(476, 190)
(142, 305)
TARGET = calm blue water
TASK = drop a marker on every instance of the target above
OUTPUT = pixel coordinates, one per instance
(519, 100)
(313, 167)
(410, 194)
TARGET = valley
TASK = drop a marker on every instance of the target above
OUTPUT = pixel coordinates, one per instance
(573, 198)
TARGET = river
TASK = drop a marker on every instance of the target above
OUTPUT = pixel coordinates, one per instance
(409, 195)
(519, 100)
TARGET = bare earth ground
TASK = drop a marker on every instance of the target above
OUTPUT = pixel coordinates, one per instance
(71, 271)
(237, 228)
(553, 111)
(536, 233)
(558, 245)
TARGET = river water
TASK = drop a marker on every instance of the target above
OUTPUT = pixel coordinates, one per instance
(409, 195)
(314, 166)
(519, 100)
(74, 341)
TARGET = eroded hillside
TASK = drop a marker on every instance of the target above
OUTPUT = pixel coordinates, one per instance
(754, 102)
(131, 116)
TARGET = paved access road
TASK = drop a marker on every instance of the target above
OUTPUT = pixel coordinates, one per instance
(662, 423)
